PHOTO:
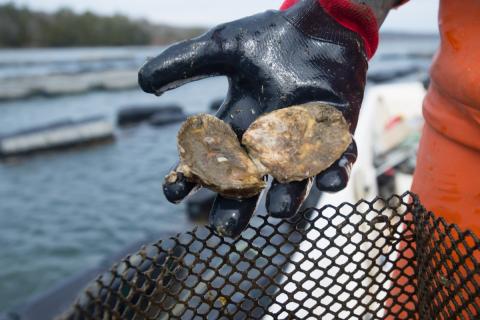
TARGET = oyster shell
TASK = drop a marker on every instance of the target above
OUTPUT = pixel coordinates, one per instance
(291, 144)
(298, 142)
(211, 155)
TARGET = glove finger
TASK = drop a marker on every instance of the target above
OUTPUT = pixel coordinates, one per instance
(239, 109)
(176, 187)
(229, 217)
(285, 199)
(336, 177)
(184, 62)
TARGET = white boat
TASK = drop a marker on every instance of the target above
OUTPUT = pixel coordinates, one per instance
(374, 136)
(390, 115)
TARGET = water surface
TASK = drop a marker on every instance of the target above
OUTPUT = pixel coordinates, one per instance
(63, 212)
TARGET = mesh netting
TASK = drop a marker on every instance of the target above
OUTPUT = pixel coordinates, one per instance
(385, 259)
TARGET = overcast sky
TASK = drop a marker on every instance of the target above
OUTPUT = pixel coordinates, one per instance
(416, 16)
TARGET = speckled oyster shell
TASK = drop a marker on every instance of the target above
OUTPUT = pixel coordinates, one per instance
(298, 142)
(211, 155)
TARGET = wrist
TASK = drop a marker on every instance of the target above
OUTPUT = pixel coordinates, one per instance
(357, 18)
(312, 20)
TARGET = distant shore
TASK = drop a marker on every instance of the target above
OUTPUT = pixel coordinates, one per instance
(21, 27)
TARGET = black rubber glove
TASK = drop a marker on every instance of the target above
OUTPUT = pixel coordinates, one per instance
(272, 60)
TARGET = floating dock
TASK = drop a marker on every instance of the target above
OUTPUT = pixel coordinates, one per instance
(59, 135)
(155, 115)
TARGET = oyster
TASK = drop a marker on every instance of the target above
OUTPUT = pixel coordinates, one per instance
(298, 142)
(291, 144)
(211, 155)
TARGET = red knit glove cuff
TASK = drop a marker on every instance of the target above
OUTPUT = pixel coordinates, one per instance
(356, 17)
(287, 4)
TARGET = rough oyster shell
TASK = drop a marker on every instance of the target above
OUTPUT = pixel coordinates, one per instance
(298, 142)
(211, 155)
(291, 144)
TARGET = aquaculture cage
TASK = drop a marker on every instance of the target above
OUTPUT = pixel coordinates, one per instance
(384, 259)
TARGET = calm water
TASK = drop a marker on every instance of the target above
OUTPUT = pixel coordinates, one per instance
(63, 212)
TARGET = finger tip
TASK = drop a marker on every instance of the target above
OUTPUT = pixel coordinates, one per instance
(230, 217)
(282, 206)
(145, 79)
(332, 180)
(176, 192)
(284, 200)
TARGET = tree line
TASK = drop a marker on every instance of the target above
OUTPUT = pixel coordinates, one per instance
(22, 27)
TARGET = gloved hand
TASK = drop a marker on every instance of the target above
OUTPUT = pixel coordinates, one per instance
(272, 60)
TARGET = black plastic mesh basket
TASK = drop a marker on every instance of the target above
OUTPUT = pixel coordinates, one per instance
(385, 259)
